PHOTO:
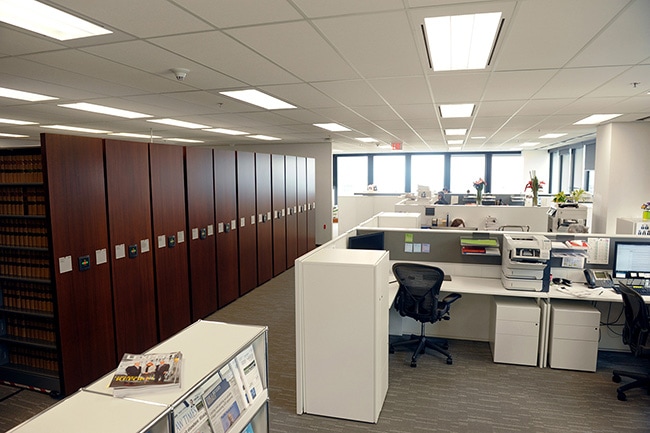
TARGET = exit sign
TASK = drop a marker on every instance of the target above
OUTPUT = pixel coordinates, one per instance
(396, 146)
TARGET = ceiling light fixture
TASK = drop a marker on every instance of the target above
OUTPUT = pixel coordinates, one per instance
(46, 20)
(334, 127)
(133, 135)
(226, 131)
(448, 111)
(454, 142)
(461, 41)
(456, 131)
(4, 134)
(264, 137)
(179, 123)
(184, 140)
(553, 135)
(367, 139)
(24, 96)
(17, 122)
(529, 144)
(595, 119)
(258, 98)
(76, 129)
(101, 109)
(455, 148)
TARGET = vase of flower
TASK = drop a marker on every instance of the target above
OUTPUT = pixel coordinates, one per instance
(478, 186)
(646, 210)
(534, 185)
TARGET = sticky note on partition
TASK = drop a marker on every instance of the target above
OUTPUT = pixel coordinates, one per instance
(408, 237)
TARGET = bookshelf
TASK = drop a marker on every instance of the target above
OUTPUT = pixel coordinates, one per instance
(28, 346)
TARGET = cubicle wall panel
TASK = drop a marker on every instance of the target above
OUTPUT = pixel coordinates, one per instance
(129, 222)
(264, 217)
(311, 204)
(301, 200)
(279, 214)
(170, 248)
(74, 179)
(199, 186)
(247, 230)
(225, 190)
(291, 197)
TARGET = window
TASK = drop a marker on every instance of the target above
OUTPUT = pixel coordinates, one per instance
(465, 170)
(428, 170)
(507, 174)
(389, 172)
(352, 174)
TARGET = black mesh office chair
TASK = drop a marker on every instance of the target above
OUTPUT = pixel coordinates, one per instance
(417, 297)
(635, 335)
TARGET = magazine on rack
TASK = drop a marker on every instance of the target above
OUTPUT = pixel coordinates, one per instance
(250, 373)
(149, 372)
(221, 403)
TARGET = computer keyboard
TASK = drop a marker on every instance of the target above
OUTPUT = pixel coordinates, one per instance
(642, 290)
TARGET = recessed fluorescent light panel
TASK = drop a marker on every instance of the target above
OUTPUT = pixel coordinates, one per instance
(258, 98)
(4, 134)
(101, 109)
(453, 148)
(16, 122)
(334, 127)
(529, 144)
(448, 111)
(264, 137)
(456, 131)
(461, 41)
(226, 131)
(179, 123)
(454, 142)
(552, 135)
(132, 135)
(367, 139)
(46, 20)
(24, 96)
(184, 140)
(76, 129)
(595, 119)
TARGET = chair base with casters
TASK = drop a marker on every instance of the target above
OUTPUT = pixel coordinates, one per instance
(423, 343)
(640, 380)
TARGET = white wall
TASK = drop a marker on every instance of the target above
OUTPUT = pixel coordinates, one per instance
(622, 174)
(322, 154)
(539, 161)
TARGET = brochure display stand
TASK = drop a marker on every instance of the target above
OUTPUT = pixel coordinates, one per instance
(224, 389)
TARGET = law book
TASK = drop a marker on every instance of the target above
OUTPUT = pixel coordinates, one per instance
(149, 372)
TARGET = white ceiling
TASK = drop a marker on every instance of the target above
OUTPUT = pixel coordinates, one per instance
(359, 63)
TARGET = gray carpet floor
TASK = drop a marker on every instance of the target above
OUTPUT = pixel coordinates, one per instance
(472, 395)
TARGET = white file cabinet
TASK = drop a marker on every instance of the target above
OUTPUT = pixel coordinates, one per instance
(573, 336)
(514, 330)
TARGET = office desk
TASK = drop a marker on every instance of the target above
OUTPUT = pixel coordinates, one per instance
(472, 314)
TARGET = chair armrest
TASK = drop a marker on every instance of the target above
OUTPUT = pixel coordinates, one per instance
(452, 297)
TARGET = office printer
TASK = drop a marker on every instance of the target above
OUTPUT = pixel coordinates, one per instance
(524, 262)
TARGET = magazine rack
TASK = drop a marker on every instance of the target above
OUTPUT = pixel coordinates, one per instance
(207, 348)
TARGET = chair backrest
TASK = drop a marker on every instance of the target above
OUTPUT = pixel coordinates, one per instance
(637, 325)
(419, 286)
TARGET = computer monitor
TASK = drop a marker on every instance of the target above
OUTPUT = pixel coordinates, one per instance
(632, 260)
(367, 241)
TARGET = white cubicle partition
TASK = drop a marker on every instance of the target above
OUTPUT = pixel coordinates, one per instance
(353, 210)
(535, 217)
(342, 304)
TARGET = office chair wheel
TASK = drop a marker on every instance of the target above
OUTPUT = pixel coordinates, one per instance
(616, 378)
(621, 396)
(414, 364)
